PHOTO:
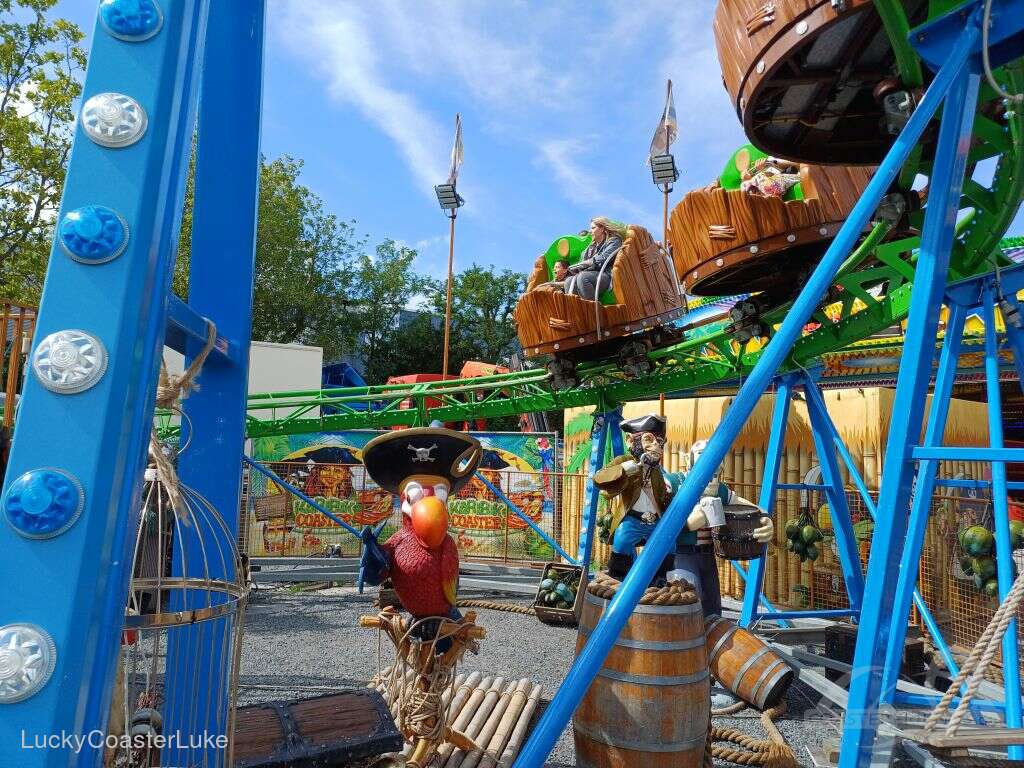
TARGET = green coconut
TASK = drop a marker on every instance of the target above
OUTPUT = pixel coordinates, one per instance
(984, 567)
(991, 588)
(978, 541)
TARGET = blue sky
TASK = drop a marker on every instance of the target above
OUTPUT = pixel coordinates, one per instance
(559, 101)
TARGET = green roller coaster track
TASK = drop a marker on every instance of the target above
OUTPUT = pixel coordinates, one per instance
(872, 290)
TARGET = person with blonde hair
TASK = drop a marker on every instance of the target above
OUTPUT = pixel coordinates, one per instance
(592, 274)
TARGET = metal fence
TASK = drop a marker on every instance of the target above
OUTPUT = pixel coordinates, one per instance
(278, 523)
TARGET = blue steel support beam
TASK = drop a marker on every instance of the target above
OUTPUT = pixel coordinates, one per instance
(603, 424)
(522, 516)
(890, 530)
(922, 501)
(772, 610)
(842, 525)
(220, 288)
(1001, 513)
(74, 586)
(753, 588)
(589, 661)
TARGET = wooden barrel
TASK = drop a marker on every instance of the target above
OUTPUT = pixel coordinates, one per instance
(745, 665)
(650, 703)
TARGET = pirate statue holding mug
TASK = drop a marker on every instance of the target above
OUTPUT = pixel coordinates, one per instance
(639, 492)
(695, 555)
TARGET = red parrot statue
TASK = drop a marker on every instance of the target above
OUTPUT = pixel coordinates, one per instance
(422, 560)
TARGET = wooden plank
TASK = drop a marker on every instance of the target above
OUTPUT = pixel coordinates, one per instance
(968, 737)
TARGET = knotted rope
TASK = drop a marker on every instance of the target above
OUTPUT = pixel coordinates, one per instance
(169, 390)
(526, 610)
(978, 662)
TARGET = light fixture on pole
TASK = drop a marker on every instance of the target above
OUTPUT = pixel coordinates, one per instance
(664, 171)
(450, 201)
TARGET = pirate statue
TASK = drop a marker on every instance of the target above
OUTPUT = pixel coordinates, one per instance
(639, 490)
(423, 467)
(695, 554)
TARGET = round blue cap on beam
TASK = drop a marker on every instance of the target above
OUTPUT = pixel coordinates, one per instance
(28, 657)
(43, 503)
(131, 20)
(93, 234)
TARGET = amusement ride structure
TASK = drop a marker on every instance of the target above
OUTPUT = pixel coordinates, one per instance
(853, 254)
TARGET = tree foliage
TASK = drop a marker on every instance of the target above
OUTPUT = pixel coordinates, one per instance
(40, 64)
(304, 259)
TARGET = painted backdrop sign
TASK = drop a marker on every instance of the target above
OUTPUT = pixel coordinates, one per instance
(327, 467)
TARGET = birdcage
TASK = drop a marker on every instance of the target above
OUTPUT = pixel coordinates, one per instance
(174, 696)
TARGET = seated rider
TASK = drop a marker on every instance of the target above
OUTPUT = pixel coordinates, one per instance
(583, 275)
(561, 273)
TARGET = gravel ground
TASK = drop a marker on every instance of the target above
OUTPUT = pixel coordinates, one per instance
(301, 644)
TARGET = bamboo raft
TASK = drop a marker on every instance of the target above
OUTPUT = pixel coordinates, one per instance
(493, 712)
(809, 78)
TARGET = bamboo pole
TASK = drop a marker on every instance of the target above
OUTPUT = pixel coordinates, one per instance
(515, 741)
(513, 714)
(494, 720)
(463, 689)
(467, 714)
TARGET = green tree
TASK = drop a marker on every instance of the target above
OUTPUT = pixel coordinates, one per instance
(304, 259)
(40, 61)
(383, 285)
(482, 304)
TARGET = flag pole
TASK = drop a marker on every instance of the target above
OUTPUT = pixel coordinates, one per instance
(448, 299)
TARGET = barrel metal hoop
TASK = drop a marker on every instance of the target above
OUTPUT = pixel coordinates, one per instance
(626, 677)
(639, 746)
(674, 610)
(713, 653)
(761, 681)
(654, 645)
(778, 676)
(746, 665)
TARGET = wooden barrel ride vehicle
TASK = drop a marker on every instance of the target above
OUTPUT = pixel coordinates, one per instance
(627, 321)
(649, 705)
(814, 80)
(731, 238)
(745, 664)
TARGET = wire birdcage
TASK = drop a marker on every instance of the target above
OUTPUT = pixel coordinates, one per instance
(174, 696)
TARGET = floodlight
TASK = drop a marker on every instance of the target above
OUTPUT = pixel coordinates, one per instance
(447, 197)
(663, 169)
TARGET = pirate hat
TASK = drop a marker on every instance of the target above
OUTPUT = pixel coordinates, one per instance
(651, 423)
(394, 457)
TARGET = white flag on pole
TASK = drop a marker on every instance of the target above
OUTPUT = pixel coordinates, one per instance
(667, 130)
(453, 171)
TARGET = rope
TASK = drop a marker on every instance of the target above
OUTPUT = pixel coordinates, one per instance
(771, 753)
(526, 610)
(169, 390)
(675, 593)
(978, 661)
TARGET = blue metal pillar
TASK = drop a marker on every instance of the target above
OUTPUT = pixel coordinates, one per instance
(604, 424)
(753, 587)
(220, 288)
(922, 501)
(589, 661)
(890, 531)
(1001, 512)
(842, 525)
(73, 585)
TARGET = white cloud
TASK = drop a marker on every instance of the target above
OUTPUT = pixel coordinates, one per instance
(583, 186)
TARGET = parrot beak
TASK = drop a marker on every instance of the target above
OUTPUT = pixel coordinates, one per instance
(430, 521)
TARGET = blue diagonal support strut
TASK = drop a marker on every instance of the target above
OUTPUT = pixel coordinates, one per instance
(589, 661)
(888, 554)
